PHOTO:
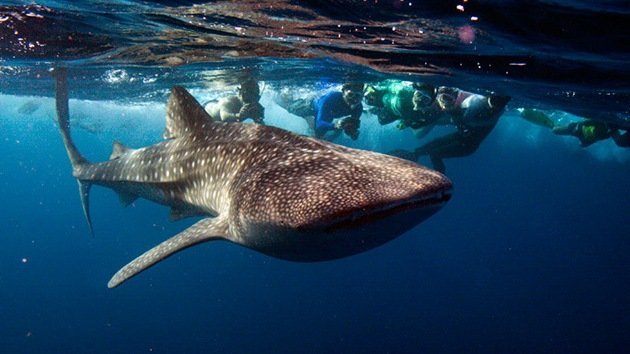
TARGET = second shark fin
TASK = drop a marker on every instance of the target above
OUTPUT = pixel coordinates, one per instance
(204, 230)
(118, 149)
(126, 198)
(84, 192)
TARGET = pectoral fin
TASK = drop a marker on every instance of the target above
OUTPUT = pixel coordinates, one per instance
(205, 230)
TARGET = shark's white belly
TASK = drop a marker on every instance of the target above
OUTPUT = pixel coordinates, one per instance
(333, 242)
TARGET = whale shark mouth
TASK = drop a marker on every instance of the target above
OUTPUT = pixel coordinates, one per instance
(364, 216)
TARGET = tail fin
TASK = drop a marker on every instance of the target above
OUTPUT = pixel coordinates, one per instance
(84, 192)
(63, 119)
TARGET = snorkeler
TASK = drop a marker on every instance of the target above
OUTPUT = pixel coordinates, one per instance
(588, 131)
(337, 111)
(413, 106)
(237, 108)
(474, 116)
(591, 131)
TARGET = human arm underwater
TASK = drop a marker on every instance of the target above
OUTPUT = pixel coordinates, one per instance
(324, 113)
(231, 109)
(254, 111)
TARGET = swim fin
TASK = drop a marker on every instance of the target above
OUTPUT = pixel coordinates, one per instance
(537, 117)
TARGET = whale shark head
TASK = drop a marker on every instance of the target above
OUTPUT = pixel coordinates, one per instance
(330, 202)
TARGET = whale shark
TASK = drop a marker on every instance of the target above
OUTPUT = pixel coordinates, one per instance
(288, 196)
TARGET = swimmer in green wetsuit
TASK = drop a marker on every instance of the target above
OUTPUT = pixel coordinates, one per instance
(588, 131)
(412, 105)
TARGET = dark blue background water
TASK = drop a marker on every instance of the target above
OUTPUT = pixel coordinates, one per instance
(530, 255)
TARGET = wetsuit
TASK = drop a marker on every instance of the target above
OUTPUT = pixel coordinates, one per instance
(331, 106)
(589, 131)
(474, 119)
(396, 103)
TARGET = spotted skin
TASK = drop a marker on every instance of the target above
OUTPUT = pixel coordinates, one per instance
(288, 196)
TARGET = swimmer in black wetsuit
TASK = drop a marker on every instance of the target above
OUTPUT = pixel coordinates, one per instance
(588, 131)
(474, 116)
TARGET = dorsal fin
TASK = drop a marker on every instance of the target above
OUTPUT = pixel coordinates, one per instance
(184, 115)
(118, 149)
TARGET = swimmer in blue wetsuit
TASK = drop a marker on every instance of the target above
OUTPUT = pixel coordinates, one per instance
(340, 111)
(334, 112)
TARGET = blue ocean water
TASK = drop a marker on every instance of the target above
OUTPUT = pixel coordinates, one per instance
(530, 255)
